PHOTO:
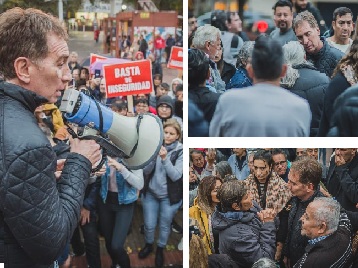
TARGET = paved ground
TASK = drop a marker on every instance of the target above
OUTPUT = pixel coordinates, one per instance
(83, 44)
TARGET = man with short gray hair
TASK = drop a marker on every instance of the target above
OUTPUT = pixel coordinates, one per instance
(207, 39)
(323, 56)
(325, 228)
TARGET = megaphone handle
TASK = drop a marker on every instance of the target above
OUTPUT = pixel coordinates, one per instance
(130, 103)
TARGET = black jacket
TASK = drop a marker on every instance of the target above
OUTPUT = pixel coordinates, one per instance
(326, 59)
(290, 223)
(342, 183)
(205, 99)
(311, 85)
(345, 114)
(326, 253)
(337, 86)
(39, 214)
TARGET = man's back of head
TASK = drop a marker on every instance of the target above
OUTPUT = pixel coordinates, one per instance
(218, 19)
(267, 59)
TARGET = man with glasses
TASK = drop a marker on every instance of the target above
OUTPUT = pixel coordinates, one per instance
(280, 163)
(207, 38)
(343, 27)
(342, 178)
(303, 182)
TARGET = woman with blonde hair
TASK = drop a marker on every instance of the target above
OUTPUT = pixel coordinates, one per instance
(204, 206)
(163, 191)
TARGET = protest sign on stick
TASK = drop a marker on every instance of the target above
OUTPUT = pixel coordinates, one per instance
(176, 58)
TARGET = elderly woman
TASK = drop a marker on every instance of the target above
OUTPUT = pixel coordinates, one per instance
(246, 233)
(204, 206)
(207, 39)
(241, 78)
(304, 80)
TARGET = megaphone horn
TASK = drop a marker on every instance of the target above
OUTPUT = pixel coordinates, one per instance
(139, 138)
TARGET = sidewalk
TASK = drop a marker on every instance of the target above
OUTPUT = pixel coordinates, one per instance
(135, 240)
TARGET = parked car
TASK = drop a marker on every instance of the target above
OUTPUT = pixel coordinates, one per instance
(253, 23)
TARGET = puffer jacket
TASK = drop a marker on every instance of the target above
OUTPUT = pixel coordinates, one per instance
(37, 213)
(326, 59)
(345, 116)
(243, 236)
(311, 85)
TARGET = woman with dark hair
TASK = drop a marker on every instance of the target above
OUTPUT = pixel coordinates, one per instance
(157, 80)
(246, 233)
(204, 206)
(222, 169)
(344, 76)
(266, 187)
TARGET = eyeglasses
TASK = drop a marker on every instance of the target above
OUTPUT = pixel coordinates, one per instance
(280, 163)
(218, 47)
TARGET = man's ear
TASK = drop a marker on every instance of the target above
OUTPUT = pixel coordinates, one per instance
(250, 70)
(334, 25)
(22, 69)
(235, 206)
(322, 228)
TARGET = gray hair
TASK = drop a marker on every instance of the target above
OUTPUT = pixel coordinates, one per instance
(203, 34)
(245, 53)
(294, 54)
(264, 263)
(327, 210)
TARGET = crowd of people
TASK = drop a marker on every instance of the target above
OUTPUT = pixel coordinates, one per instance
(297, 81)
(49, 189)
(272, 207)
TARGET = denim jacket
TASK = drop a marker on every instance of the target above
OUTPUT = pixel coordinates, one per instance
(126, 193)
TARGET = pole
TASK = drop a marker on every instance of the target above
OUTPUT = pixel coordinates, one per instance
(60, 10)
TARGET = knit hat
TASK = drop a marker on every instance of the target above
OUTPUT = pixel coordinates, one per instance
(165, 100)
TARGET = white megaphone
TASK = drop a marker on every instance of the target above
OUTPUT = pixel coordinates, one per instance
(139, 138)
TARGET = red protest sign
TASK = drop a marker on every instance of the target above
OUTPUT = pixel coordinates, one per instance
(176, 58)
(95, 57)
(128, 78)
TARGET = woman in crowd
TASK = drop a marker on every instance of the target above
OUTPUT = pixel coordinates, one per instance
(163, 191)
(344, 76)
(119, 188)
(304, 80)
(265, 186)
(204, 206)
(246, 233)
(222, 169)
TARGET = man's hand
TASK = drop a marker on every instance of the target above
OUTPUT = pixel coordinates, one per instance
(287, 262)
(267, 215)
(279, 247)
(88, 148)
(85, 216)
(339, 160)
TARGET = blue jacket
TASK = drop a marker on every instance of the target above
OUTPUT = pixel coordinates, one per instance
(127, 194)
(240, 79)
(240, 174)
